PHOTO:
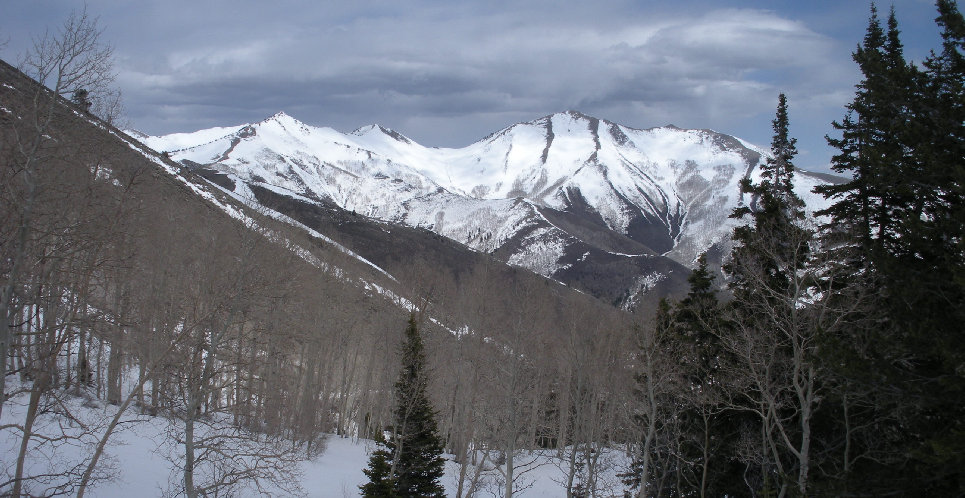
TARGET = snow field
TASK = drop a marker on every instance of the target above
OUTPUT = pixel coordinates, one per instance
(141, 459)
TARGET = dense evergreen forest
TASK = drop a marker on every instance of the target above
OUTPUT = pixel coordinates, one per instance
(834, 366)
(826, 358)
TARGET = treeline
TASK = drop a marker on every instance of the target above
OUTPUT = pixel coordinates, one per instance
(831, 362)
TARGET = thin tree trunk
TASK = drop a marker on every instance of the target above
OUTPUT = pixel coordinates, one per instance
(706, 456)
(7, 292)
(509, 470)
(189, 450)
(571, 473)
(651, 429)
(39, 386)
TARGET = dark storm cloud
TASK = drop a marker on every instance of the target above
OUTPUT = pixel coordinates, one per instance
(448, 73)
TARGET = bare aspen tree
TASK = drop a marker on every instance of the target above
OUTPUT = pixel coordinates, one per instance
(592, 387)
(517, 379)
(60, 200)
(231, 289)
(654, 410)
(74, 57)
(775, 369)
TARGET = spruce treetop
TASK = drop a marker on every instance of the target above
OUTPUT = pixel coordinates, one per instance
(410, 461)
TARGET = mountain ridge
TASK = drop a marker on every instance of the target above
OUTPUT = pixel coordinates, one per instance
(555, 194)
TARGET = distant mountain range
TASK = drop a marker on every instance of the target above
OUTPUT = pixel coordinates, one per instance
(617, 212)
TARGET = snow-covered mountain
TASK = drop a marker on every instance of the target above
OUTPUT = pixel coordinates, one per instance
(612, 210)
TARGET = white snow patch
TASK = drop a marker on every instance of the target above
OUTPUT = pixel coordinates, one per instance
(642, 285)
(542, 253)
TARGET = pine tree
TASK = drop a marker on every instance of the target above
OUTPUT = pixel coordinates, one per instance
(926, 271)
(698, 321)
(81, 98)
(711, 431)
(874, 143)
(379, 470)
(937, 227)
(770, 340)
(943, 145)
(409, 463)
(778, 173)
(769, 247)
(903, 144)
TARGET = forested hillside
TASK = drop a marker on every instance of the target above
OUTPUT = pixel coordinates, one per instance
(129, 279)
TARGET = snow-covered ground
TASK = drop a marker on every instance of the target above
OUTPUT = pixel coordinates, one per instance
(142, 460)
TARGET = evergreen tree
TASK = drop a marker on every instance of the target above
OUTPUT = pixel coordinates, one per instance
(770, 335)
(902, 143)
(777, 175)
(710, 430)
(698, 321)
(379, 470)
(925, 272)
(81, 98)
(769, 247)
(946, 232)
(409, 463)
(935, 230)
(874, 142)
(943, 132)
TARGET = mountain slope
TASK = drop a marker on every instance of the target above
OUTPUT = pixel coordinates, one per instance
(140, 283)
(611, 210)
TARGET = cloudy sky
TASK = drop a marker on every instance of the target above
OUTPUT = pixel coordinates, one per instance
(447, 73)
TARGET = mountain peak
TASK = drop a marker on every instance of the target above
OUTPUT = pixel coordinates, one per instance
(569, 114)
(574, 114)
(377, 128)
(282, 117)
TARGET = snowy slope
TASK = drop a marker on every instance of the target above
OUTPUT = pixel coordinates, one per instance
(142, 459)
(552, 194)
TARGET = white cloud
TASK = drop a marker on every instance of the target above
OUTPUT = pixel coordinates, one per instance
(453, 70)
